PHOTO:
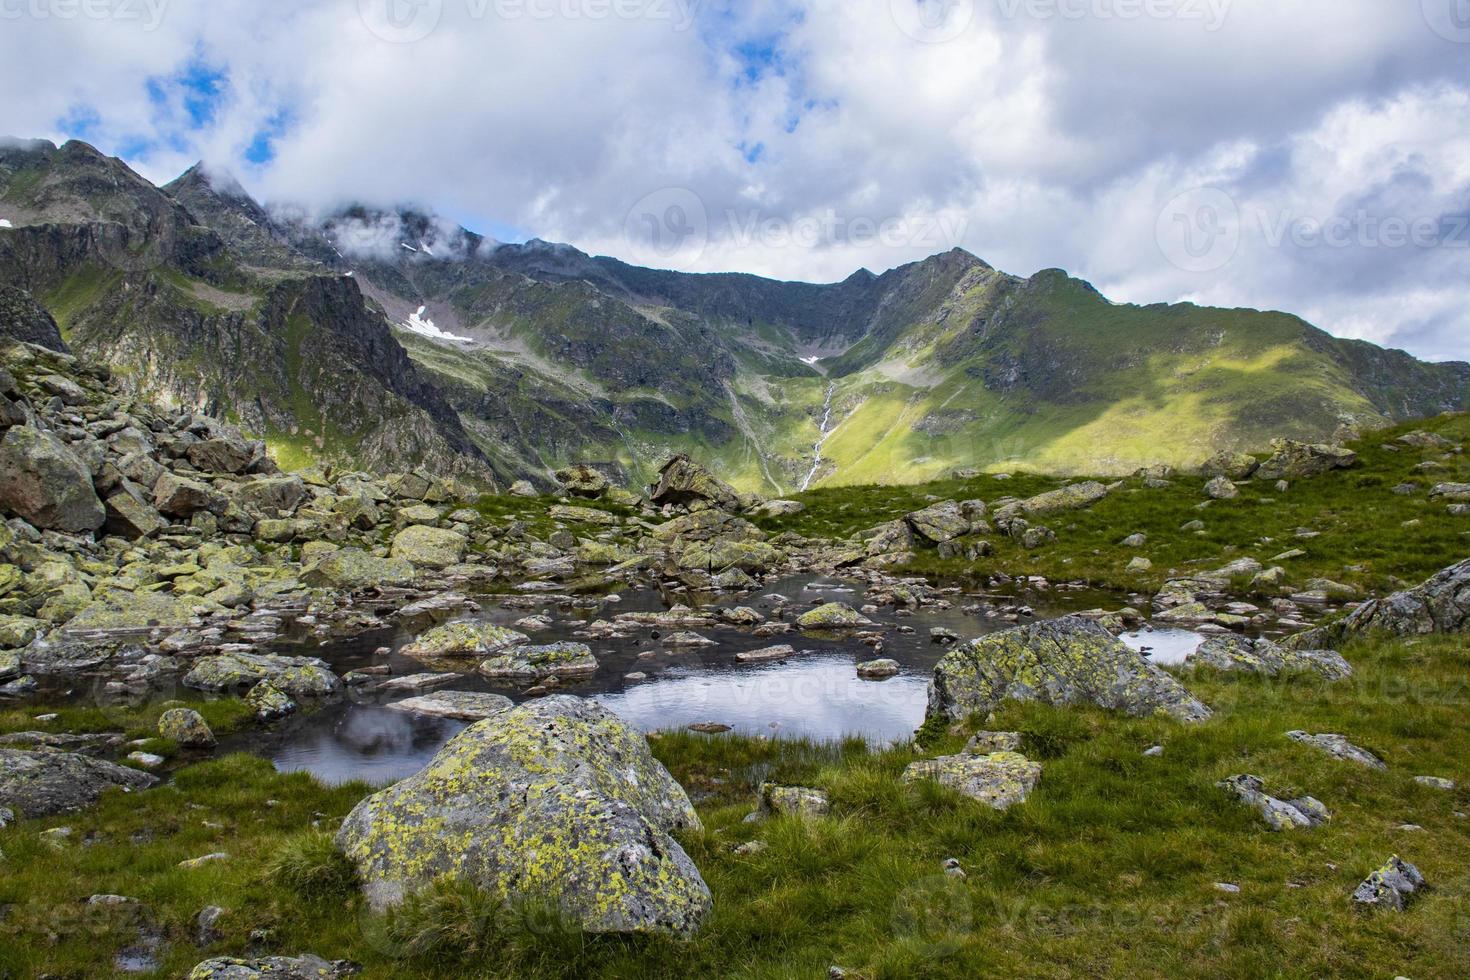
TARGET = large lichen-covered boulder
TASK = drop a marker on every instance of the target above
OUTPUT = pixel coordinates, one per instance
(708, 525)
(306, 967)
(352, 570)
(684, 482)
(748, 556)
(1262, 656)
(179, 496)
(116, 611)
(43, 784)
(186, 727)
(583, 481)
(1074, 496)
(428, 547)
(1439, 605)
(832, 616)
(564, 659)
(465, 639)
(223, 455)
(130, 515)
(945, 520)
(296, 676)
(272, 495)
(1230, 465)
(1292, 460)
(43, 481)
(1059, 662)
(1000, 780)
(557, 800)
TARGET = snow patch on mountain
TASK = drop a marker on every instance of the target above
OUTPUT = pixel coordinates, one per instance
(5, 223)
(424, 327)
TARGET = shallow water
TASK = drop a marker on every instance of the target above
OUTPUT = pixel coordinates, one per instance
(815, 693)
(1164, 646)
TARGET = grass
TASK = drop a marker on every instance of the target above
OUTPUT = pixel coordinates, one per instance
(1363, 539)
(1108, 870)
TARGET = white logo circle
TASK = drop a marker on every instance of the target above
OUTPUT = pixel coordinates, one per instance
(400, 21)
(932, 21)
(1199, 230)
(1450, 19)
(673, 223)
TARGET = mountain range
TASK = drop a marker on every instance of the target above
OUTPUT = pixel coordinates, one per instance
(389, 338)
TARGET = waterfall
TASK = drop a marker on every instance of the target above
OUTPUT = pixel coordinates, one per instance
(826, 431)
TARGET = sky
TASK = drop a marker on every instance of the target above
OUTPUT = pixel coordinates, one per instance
(1304, 155)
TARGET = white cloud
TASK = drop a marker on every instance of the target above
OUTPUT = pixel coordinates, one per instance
(816, 136)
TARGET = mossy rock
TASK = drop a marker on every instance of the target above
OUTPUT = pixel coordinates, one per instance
(428, 547)
(295, 676)
(186, 727)
(351, 569)
(1000, 780)
(833, 616)
(1056, 662)
(557, 800)
(464, 639)
(534, 662)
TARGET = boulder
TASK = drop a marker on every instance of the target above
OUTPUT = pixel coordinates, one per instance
(878, 669)
(683, 482)
(1338, 747)
(944, 521)
(1262, 656)
(557, 800)
(186, 727)
(270, 702)
(1278, 814)
(131, 516)
(583, 481)
(1439, 605)
(179, 496)
(780, 508)
(24, 319)
(1072, 497)
(428, 547)
(1291, 460)
(1058, 662)
(43, 784)
(464, 639)
(522, 488)
(1220, 488)
(526, 663)
(1000, 780)
(222, 455)
(457, 705)
(748, 556)
(272, 495)
(792, 801)
(352, 570)
(1390, 886)
(832, 616)
(294, 676)
(306, 967)
(1230, 465)
(43, 482)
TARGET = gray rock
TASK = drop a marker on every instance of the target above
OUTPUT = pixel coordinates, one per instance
(792, 801)
(1220, 488)
(1293, 460)
(1439, 605)
(1000, 780)
(1059, 662)
(1278, 814)
(43, 481)
(1436, 782)
(294, 676)
(306, 967)
(1390, 886)
(1230, 465)
(1261, 656)
(877, 669)
(566, 803)
(533, 662)
(1338, 747)
(186, 727)
(46, 783)
(458, 705)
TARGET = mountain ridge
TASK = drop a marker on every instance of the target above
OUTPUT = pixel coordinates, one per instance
(523, 358)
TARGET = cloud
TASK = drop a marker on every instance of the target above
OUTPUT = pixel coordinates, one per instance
(807, 138)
